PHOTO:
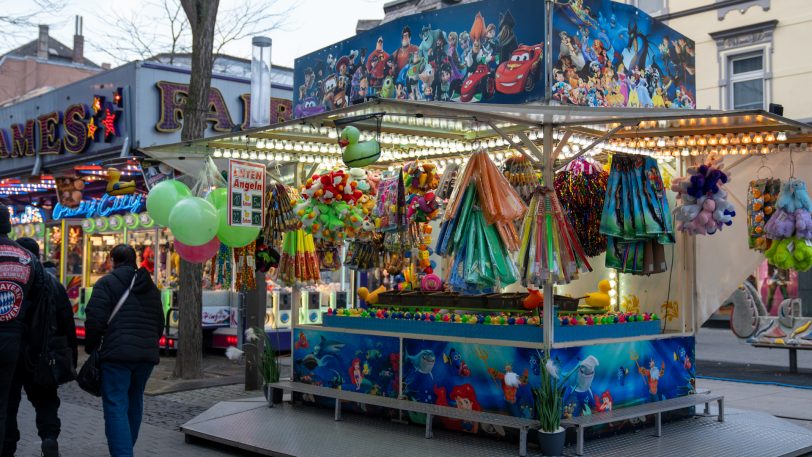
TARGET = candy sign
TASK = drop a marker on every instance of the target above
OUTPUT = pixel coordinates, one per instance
(246, 194)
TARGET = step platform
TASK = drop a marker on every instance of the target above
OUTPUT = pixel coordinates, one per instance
(302, 430)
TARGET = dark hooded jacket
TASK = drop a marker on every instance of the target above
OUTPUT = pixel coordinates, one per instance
(133, 334)
(65, 326)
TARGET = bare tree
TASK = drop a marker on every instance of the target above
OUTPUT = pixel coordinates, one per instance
(166, 31)
(16, 26)
(202, 16)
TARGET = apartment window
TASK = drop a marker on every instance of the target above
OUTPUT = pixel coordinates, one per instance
(746, 86)
(652, 7)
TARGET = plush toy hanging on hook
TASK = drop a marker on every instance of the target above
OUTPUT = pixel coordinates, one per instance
(358, 153)
(703, 207)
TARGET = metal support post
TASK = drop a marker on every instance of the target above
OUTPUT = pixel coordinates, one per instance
(254, 317)
(547, 320)
(658, 424)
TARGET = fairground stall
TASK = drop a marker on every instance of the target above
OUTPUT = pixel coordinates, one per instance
(67, 171)
(453, 310)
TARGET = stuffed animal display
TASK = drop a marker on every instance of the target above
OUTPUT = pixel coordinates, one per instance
(791, 228)
(703, 207)
(334, 206)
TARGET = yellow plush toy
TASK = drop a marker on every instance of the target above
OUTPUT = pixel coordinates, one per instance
(601, 299)
(370, 297)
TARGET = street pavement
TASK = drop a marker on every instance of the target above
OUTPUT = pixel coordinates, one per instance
(83, 422)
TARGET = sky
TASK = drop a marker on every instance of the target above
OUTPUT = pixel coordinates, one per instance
(312, 25)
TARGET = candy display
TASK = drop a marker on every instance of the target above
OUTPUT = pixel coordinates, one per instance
(390, 207)
(703, 207)
(581, 188)
(299, 263)
(522, 176)
(635, 217)
(419, 314)
(550, 251)
(762, 195)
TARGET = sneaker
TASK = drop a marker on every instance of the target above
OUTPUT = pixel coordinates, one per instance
(50, 448)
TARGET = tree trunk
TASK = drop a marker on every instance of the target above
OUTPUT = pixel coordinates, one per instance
(202, 15)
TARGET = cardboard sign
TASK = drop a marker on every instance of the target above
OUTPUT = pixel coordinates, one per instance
(246, 194)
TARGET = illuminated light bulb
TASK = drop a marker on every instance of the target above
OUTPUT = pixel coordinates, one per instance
(252, 155)
(713, 141)
(781, 136)
(769, 138)
(702, 141)
(680, 142)
(297, 147)
(244, 155)
(491, 143)
(651, 144)
(685, 152)
(691, 141)
(660, 142)
(735, 139)
(758, 139)
(694, 152)
(262, 156)
(724, 140)
(746, 139)
(227, 154)
(218, 153)
(612, 293)
(765, 150)
(287, 146)
(612, 283)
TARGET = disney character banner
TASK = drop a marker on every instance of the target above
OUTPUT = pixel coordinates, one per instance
(487, 51)
(614, 55)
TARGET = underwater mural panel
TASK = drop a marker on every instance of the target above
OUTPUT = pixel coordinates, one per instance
(357, 363)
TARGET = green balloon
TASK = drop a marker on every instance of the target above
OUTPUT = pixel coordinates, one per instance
(218, 197)
(162, 199)
(193, 221)
(234, 237)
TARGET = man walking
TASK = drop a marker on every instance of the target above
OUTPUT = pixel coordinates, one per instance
(44, 399)
(23, 289)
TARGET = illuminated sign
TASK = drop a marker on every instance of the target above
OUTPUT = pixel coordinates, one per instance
(104, 206)
(72, 131)
(173, 97)
(29, 215)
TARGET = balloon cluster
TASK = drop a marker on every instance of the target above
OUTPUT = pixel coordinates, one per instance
(703, 207)
(790, 228)
(198, 225)
(335, 204)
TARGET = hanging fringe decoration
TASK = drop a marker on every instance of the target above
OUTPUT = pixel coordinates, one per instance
(581, 189)
(246, 269)
(478, 229)
(222, 273)
(550, 250)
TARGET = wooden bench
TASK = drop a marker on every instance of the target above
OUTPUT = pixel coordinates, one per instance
(793, 353)
(656, 408)
(414, 406)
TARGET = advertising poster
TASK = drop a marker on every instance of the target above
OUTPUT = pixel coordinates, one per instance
(155, 172)
(487, 51)
(609, 54)
(246, 194)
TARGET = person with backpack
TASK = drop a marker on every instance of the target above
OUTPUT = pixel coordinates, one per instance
(125, 320)
(24, 292)
(60, 337)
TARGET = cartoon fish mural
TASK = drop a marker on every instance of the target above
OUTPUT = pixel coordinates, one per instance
(311, 362)
(622, 372)
(328, 347)
(454, 359)
(535, 365)
(423, 361)
(373, 354)
(302, 342)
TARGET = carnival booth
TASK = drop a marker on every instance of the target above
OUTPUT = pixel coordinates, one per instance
(492, 212)
(471, 272)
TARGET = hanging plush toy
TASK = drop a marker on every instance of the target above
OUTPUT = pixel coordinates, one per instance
(791, 228)
(358, 153)
(703, 207)
(333, 208)
(762, 195)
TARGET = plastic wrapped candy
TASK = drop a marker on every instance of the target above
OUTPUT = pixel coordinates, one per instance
(390, 208)
(581, 188)
(522, 176)
(550, 250)
(280, 216)
(761, 197)
(299, 262)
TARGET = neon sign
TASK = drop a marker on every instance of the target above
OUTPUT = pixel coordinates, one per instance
(29, 215)
(104, 206)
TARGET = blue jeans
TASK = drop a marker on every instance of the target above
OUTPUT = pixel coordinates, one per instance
(123, 400)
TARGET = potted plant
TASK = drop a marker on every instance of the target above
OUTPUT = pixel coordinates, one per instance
(266, 361)
(549, 398)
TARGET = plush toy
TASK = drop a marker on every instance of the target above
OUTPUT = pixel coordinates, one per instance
(370, 297)
(803, 224)
(790, 254)
(786, 200)
(781, 225)
(800, 195)
(703, 207)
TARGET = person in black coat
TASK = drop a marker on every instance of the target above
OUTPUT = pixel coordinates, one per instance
(129, 344)
(24, 290)
(44, 399)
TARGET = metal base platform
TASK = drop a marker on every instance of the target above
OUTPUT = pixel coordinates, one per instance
(301, 430)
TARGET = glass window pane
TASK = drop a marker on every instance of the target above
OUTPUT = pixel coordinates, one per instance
(650, 6)
(748, 94)
(749, 64)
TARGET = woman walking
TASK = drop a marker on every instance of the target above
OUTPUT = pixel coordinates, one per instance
(129, 344)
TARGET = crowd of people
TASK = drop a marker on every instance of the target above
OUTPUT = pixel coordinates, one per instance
(124, 324)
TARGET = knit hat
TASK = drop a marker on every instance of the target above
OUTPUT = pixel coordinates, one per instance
(5, 220)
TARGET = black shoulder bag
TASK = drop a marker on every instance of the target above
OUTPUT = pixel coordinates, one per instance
(89, 378)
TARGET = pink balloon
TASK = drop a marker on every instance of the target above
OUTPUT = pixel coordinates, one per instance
(198, 254)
